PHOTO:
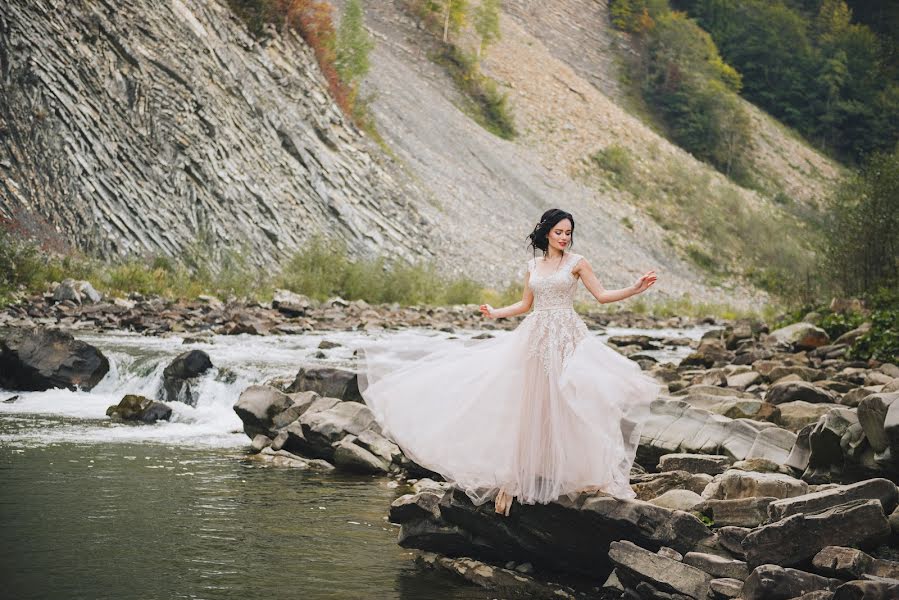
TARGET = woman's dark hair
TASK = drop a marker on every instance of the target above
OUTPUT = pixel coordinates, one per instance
(538, 237)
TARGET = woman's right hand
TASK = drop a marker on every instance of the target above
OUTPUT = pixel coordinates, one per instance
(487, 311)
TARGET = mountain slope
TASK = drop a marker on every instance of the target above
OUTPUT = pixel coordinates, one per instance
(136, 127)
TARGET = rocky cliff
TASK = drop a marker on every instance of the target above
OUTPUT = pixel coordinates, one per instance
(137, 127)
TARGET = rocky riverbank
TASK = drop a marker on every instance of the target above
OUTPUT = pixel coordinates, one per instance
(76, 305)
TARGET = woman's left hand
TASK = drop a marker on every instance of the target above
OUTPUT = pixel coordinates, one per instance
(645, 282)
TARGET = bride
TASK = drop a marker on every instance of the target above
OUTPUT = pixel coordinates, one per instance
(543, 411)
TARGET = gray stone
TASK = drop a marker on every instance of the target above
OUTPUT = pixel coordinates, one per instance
(410, 507)
(350, 457)
(772, 582)
(798, 538)
(872, 412)
(797, 414)
(741, 381)
(290, 303)
(179, 378)
(731, 539)
(845, 563)
(328, 381)
(652, 485)
(882, 490)
(868, 589)
(739, 512)
(43, 359)
(801, 336)
(726, 588)
(717, 566)
(635, 564)
(747, 484)
(799, 390)
(139, 408)
(261, 441)
(257, 407)
(678, 500)
(711, 464)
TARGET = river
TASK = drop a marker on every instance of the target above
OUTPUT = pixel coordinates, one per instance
(94, 509)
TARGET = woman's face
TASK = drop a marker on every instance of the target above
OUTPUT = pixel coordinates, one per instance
(560, 235)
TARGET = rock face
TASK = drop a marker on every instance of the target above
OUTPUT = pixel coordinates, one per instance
(142, 140)
(179, 379)
(138, 408)
(42, 359)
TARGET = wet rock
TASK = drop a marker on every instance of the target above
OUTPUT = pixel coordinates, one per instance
(283, 458)
(797, 538)
(801, 336)
(634, 565)
(882, 490)
(257, 407)
(410, 507)
(328, 381)
(42, 359)
(508, 582)
(772, 582)
(179, 379)
(138, 408)
(328, 345)
(352, 457)
(747, 484)
(570, 536)
(711, 464)
(799, 390)
(260, 442)
(437, 536)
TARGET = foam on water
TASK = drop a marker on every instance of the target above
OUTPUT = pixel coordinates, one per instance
(137, 363)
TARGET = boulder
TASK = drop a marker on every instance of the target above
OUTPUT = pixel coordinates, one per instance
(799, 390)
(868, 589)
(653, 485)
(257, 407)
(772, 582)
(725, 587)
(353, 457)
(322, 429)
(800, 336)
(739, 512)
(79, 292)
(407, 508)
(290, 304)
(138, 408)
(882, 490)
(830, 440)
(844, 563)
(42, 359)
(711, 464)
(328, 381)
(570, 536)
(678, 500)
(634, 564)
(797, 414)
(717, 566)
(748, 484)
(798, 538)
(731, 539)
(179, 378)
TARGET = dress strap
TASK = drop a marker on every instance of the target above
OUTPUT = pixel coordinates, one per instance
(572, 261)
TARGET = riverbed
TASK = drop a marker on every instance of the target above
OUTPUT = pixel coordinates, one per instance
(97, 509)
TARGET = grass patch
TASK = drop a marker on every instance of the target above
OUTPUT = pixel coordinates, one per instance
(485, 103)
(616, 161)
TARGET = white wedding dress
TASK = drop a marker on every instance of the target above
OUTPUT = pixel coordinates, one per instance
(543, 411)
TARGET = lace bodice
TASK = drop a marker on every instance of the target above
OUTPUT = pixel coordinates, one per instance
(554, 290)
(555, 329)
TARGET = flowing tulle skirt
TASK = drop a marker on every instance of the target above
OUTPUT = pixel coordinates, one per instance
(507, 413)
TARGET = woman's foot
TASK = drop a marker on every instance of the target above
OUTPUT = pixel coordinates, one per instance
(503, 502)
(590, 489)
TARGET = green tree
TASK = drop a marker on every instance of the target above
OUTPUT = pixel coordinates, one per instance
(486, 23)
(861, 246)
(454, 14)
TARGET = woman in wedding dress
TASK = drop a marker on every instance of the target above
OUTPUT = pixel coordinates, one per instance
(543, 411)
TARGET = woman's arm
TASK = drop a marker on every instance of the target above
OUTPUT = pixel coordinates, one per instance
(602, 295)
(522, 306)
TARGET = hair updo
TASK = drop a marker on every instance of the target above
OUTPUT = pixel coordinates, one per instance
(538, 237)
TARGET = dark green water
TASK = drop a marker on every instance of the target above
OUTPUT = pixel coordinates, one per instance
(147, 521)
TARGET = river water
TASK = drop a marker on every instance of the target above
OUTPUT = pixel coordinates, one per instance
(95, 509)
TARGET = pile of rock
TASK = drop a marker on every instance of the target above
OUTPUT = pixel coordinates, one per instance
(303, 428)
(65, 306)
